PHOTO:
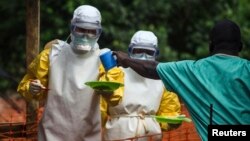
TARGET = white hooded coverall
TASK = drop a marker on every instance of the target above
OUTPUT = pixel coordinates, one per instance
(142, 98)
(72, 110)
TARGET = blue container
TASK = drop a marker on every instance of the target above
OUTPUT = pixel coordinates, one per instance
(107, 59)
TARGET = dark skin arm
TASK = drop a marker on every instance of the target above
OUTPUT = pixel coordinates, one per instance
(143, 67)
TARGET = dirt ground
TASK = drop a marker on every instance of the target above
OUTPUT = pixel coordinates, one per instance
(13, 110)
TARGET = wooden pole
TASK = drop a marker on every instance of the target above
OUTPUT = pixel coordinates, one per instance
(32, 50)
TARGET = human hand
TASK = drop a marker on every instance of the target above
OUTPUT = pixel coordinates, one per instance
(121, 58)
(36, 87)
(106, 94)
(109, 96)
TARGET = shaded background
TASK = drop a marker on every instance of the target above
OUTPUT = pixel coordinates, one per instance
(182, 27)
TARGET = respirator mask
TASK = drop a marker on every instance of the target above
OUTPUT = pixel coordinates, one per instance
(84, 40)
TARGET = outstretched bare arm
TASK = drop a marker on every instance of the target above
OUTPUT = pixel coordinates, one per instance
(143, 67)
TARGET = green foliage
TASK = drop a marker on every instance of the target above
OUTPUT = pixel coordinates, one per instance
(182, 26)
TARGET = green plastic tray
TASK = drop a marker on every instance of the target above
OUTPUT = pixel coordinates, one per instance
(172, 120)
(104, 85)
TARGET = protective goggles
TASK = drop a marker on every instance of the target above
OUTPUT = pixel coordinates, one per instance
(148, 49)
(84, 32)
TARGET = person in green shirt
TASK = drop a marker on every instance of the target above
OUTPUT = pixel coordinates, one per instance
(221, 80)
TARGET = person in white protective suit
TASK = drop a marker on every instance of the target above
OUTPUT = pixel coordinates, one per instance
(142, 98)
(58, 74)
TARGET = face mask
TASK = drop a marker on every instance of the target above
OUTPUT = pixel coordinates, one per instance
(82, 44)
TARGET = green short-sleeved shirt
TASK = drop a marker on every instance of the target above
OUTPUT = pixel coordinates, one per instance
(221, 80)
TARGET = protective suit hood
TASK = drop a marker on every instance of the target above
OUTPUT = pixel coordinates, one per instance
(143, 45)
(87, 17)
